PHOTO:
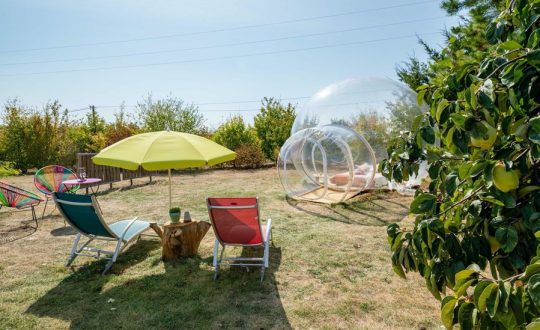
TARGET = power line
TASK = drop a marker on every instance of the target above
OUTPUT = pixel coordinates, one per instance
(236, 110)
(223, 45)
(250, 101)
(220, 30)
(220, 57)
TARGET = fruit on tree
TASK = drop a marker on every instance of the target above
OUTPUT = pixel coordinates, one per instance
(505, 180)
(485, 144)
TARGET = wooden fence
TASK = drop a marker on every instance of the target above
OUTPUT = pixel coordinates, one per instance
(108, 174)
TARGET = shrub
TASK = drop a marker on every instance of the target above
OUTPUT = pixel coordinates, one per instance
(249, 155)
(169, 113)
(234, 133)
(120, 129)
(7, 169)
(32, 138)
(273, 125)
(477, 225)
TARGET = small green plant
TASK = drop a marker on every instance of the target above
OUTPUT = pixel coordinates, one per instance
(174, 214)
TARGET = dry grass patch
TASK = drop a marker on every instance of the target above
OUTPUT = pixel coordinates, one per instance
(329, 268)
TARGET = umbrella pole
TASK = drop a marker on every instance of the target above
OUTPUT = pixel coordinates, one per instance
(170, 192)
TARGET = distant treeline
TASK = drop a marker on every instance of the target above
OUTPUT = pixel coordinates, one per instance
(31, 138)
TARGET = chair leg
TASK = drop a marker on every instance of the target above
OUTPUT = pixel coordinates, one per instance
(216, 250)
(73, 253)
(107, 267)
(266, 253)
(114, 256)
(34, 216)
(215, 261)
(262, 273)
(45, 207)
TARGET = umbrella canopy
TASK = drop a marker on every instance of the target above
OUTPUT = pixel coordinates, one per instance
(164, 150)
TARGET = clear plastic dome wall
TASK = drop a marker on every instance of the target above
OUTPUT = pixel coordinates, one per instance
(377, 108)
(339, 135)
(326, 164)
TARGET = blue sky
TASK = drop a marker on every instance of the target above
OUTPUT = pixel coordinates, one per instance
(69, 39)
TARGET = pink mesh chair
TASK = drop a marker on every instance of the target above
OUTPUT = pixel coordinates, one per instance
(236, 222)
(49, 179)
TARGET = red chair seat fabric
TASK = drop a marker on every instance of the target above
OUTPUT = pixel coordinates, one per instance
(234, 225)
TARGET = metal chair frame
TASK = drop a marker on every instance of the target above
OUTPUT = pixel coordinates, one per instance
(23, 192)
(48, 194)
(239, 261)
(95, 252)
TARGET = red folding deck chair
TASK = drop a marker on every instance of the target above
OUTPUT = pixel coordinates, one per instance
(236, 222)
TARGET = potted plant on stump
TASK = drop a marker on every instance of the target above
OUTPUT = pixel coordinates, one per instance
(174, 214)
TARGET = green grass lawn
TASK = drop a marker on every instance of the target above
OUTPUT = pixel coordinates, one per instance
(329, 268)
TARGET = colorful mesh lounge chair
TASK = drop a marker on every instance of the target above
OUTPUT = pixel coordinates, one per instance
(236, 222)
(49, 179)
(11, 196)
(83, 214)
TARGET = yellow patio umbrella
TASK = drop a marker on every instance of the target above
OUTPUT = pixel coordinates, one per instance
(164, 150)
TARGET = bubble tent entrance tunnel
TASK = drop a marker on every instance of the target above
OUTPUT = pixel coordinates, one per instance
(339, 136)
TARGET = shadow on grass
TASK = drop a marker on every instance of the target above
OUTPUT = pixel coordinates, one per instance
(65, 230)
(169, 295)
(377, 210)
(12, 230)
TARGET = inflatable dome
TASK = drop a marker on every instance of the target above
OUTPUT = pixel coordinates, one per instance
(339, 136)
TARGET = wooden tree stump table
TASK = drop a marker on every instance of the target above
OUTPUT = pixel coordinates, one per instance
(182, 239)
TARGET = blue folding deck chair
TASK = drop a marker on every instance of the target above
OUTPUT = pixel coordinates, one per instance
(83, 213)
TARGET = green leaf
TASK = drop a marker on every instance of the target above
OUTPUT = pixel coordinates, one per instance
(530, 271)
(534, 124)
(450, 184)
(463, 288)
(423, 203)
(517, 308)
(510, 45)
(492, 200)
(478, 289)
(396, 265)
(465, 316)
(396, 242)
(447, 312)
(534, 39)
(482, 299)
(458, 119)
(527, 190)
(492, 302)
(477, 168)
(533, 289)
(533, 58)
(534, 325)
(441, 106)
(428, 134)
(507, 237)
(436, 226)
(420, 96)
(465, 274)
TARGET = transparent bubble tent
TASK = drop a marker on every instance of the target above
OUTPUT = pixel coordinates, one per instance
(339, 136)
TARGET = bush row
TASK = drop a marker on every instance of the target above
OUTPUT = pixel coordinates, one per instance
(31, 138)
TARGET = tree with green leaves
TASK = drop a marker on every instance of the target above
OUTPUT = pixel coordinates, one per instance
(273, 125)
(34, 138)
(234, 132)
(476, 232)
(170, 114)
(236, 135)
